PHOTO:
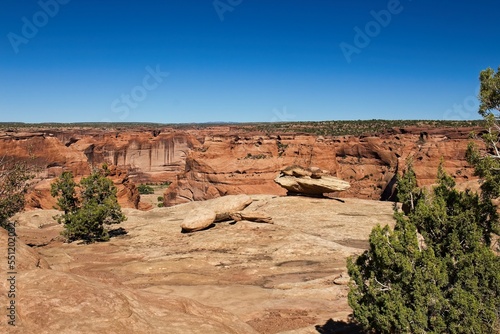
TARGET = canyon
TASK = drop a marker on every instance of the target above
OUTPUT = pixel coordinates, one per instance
(282, 273)
(207, 162)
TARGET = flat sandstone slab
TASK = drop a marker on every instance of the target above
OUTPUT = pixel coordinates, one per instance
(267, 278)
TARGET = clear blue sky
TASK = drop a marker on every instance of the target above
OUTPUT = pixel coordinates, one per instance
(243, 61)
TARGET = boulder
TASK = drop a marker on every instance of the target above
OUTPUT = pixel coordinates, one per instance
(257, 217)
(225, 206)
(298, 180)
(214, 210)
(198, 219)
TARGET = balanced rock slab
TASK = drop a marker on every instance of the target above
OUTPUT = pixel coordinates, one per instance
(298, 180)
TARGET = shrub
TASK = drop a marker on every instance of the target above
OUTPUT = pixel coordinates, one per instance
(144, 189)
(435, 272)
(14, 183)
(89, 211)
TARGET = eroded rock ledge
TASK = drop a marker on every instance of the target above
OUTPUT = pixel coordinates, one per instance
(309, 181)
(209, 162)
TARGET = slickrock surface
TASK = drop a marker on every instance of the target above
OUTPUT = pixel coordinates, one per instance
(243, 277)
(52, 301)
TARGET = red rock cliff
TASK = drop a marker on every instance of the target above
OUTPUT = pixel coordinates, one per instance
(211, 162)
(233, 164)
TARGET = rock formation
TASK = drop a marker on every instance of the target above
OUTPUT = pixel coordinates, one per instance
(232, 164)
(198, 219)
(257, 217)
(309, 182)
(213, 211)
(209, 162)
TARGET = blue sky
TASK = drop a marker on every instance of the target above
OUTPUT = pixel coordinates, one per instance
(243, 60)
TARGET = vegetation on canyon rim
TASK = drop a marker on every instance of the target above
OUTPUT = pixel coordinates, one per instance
(14, 183)
(323, 128)
(436, 271)
(88, 211)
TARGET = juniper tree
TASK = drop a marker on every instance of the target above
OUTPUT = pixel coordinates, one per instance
(88, 211)
(14, 184)
(487, 163)
(407, 190)
(450, 284)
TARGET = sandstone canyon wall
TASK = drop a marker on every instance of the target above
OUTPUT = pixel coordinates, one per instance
(208, 162)
(235, 163)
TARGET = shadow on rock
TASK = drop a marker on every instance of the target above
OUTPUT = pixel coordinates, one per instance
(339, 327)
(117, 232)
(184, 231)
